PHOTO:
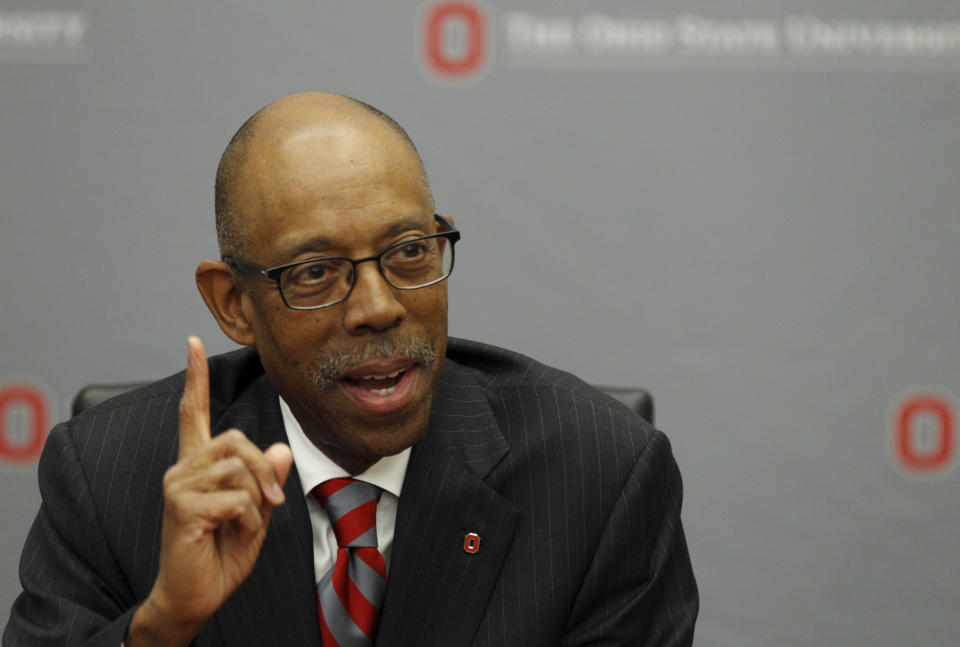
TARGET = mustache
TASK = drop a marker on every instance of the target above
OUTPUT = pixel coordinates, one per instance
(331, 366)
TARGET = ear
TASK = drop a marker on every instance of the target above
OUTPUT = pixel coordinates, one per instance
(224, 297)
(450, 218)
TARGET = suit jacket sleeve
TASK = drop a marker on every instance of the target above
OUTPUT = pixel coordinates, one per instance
(640, 589)
(73, 590)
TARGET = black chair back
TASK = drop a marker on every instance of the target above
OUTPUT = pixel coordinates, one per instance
(640, 400)
(96, 393)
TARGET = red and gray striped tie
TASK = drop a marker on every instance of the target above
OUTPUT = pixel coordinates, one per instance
(349, 595)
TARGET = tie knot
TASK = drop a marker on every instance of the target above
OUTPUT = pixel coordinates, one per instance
(351, 506)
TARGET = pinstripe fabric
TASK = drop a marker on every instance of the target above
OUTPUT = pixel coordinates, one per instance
(93, 550)
(575, 498)
(577, 503)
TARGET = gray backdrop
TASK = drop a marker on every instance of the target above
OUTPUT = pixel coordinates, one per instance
(749, 208)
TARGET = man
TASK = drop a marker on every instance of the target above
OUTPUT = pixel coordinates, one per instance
(504, 502)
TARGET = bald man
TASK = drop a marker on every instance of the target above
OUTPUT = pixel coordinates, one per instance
(352, 476)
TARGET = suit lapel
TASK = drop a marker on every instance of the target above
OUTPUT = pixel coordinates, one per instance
(276, 605)
(437, 591)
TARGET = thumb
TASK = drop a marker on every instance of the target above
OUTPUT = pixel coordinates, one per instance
(281, 458)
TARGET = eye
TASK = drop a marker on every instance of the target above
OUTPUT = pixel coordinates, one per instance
(413, 250)
(411, 253)
(411, 260)
(314, 274)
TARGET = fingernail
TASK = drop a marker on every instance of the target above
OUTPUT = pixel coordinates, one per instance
(278, 494)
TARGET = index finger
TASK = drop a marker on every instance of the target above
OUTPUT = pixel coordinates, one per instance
(195, 403)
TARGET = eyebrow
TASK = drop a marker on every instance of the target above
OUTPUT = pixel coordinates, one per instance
(402, 226)
(318, 244)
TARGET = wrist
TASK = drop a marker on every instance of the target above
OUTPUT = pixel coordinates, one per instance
(153, 625)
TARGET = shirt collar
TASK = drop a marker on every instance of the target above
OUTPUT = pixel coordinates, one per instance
(315, 467)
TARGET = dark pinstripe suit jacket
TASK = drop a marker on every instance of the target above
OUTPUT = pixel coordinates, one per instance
(575, 498)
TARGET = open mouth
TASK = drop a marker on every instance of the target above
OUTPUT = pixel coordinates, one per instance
(384, 384)
(384, 388)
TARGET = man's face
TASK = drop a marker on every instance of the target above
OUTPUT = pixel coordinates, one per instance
(360, 375)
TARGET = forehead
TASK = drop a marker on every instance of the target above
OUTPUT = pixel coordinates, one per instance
(330, 184)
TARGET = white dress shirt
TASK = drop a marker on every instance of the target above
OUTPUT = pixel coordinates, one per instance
(314, 468)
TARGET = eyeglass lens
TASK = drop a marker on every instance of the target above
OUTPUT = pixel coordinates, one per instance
(407, 265)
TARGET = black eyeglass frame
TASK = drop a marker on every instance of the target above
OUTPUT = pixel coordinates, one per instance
(274, 273)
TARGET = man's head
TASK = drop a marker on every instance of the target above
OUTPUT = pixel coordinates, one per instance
(317, 175)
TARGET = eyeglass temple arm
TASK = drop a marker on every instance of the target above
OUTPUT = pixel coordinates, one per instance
(244, 267)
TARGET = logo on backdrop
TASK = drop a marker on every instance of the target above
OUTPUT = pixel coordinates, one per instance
(24, 421)
(922, 429)
(43, 36)
(455, 41)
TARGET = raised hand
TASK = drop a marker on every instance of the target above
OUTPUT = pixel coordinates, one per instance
(217, 502)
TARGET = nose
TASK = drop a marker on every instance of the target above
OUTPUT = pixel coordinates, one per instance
(372, 304)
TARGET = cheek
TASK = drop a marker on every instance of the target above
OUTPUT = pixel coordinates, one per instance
(291, 330)
(287, 339)
(429, 308)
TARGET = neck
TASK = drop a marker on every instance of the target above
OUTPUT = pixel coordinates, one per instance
(352, 464)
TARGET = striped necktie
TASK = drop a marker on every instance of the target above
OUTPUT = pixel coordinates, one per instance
(349, 595)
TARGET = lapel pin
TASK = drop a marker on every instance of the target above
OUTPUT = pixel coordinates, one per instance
(471, 543)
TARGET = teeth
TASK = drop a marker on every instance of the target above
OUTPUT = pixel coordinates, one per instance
(384, 391)
(381, 377)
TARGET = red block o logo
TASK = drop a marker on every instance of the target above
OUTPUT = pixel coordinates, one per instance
(24, 414)
(455, 39)
(924, 425)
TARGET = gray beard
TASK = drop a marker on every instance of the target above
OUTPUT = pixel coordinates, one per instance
(331, 366)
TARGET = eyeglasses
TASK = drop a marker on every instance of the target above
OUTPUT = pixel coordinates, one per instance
(323, 282)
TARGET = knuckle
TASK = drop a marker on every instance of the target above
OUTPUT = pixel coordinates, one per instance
(170, 479)
(175, 506)
(243, 502)
(233, 436)
(234, 466)
(174, 491)
(230, 440)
